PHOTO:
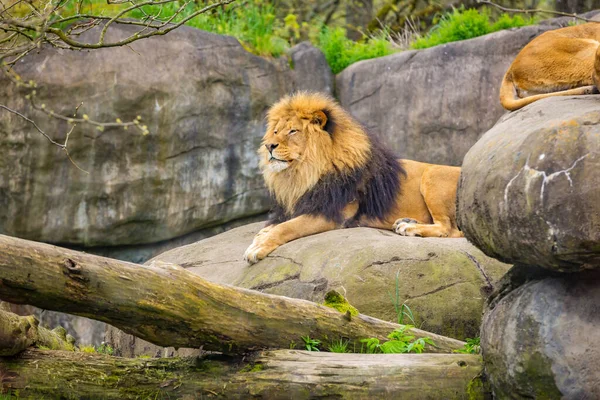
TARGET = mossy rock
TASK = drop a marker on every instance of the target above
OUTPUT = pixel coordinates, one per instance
(540, 336)
(444, 281)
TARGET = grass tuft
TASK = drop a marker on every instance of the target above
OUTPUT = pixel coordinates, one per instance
(463, 24)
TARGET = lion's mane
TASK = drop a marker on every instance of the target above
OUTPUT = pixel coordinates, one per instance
(346, 165)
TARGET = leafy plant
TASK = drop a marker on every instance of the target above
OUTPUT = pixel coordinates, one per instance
(371, 346)
(471, 347)
(339, 346)
(311, 344)
(105, 349)
(401, 341)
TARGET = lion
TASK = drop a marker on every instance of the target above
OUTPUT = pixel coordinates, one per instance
(325, 172)
(562, 62)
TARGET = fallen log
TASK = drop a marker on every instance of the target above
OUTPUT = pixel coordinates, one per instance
(279, 374)
(169, 306)
(18, 333)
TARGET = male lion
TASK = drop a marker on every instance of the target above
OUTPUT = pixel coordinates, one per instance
(563, 62)
(325, 172)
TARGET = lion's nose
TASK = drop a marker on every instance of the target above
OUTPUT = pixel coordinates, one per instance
(271, 147)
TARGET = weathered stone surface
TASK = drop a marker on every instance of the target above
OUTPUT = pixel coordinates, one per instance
(310, 68)
(203, 98)
(540, 338)
(530, 188)
(432, 105)
(444, 281)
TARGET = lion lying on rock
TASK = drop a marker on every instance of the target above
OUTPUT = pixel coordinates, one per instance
(325, 172)
(563, 62)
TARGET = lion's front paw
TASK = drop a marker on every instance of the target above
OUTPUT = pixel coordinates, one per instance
(406, 227)
(258, 250)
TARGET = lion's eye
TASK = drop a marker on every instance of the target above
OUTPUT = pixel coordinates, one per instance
(293, 131)
(275, 132)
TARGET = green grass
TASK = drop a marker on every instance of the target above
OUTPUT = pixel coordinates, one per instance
(339, 346)
(464, 24)
(341, 52)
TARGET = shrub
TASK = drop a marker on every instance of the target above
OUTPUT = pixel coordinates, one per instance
(340, 51)
(463, 24)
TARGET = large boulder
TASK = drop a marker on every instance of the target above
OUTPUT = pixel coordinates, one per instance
(432, 105)
(444, 281)
(540, 335)
(203, 98)
(529, 191)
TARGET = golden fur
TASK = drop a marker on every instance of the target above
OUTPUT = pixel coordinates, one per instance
(561, 62)
(309, 138)
(315, 151)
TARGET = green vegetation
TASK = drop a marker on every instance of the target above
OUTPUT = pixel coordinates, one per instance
(263, 31)
(311, 344)
(105, 349)
(471, 347)
(87, 349)
(402, 310)
(339, 346)
(341, 52)
(400, 342)
(464, 24)
(255, 24)
(336, 301)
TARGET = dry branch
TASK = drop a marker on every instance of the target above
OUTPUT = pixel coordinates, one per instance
(169, 306)
(282, 374)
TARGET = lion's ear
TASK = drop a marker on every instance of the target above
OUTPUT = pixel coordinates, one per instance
(320, 118)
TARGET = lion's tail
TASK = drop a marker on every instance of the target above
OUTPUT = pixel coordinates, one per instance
(510, 100)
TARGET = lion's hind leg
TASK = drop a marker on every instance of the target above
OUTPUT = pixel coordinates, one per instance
(438, 188)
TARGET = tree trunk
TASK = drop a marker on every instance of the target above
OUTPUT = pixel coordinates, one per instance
(18, 333)
(281, 374)
(169, 306)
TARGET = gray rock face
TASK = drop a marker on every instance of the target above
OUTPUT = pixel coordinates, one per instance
(432, 105)
(530, 188)
(311, 71)
(540, 338)
(203, 98)
(444, 281)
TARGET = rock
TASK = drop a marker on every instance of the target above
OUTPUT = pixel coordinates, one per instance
(540, 338)
(432, 105)
(203, 98)
(529, 191)
(310, 68)
(444, 281)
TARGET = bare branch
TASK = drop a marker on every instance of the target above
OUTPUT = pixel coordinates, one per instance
(535, 11)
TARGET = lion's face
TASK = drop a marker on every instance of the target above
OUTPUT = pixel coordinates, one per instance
(290, 139)
(308, 136)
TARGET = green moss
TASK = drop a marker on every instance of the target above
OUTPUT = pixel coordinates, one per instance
(336, 301)
(478, 388)
(87, 349)
(253, 368)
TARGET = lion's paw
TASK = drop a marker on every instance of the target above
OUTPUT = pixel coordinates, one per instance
(406, 227)
(258, 250)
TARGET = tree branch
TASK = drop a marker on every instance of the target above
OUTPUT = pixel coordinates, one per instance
(169, 306)
(534, 11)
